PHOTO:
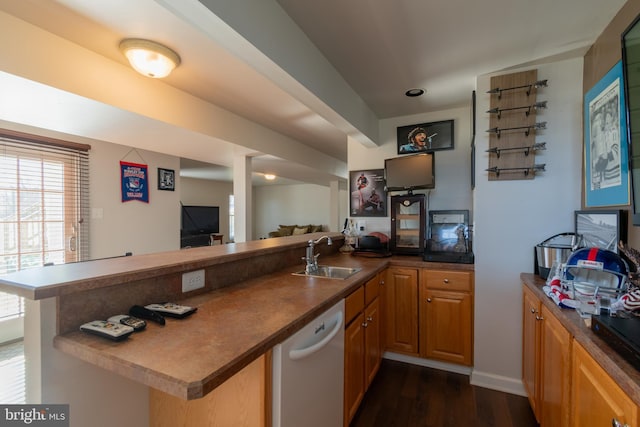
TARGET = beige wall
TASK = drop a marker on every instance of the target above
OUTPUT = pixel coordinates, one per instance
(603, 55)
(117, 227)
(289, 204)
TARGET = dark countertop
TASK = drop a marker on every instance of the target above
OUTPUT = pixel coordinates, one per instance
(233, 325)
(623, 373)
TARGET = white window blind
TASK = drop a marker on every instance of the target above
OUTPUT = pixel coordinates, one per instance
(44, 204)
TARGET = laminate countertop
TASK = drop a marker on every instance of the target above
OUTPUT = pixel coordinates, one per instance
(232, 326)
(623, 373)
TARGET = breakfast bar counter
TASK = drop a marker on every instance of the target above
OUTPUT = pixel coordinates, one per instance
(251, 301)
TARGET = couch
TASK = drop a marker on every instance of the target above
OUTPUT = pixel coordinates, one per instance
(292, 230)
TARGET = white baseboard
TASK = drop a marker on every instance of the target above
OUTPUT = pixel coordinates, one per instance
(480, 379)
(498, 382)
(428, 363)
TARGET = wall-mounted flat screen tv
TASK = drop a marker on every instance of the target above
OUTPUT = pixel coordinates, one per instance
(408, 173)
(200, 220)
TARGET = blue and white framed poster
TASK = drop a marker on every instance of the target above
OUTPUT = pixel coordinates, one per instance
(606, 154)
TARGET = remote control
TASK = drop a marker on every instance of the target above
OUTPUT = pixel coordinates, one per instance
(144, 313)
(106, 329)
(172, 310)
(134, 322)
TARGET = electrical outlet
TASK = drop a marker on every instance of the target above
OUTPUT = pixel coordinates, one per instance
(192, 280)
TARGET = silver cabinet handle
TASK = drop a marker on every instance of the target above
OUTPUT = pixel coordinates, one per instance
(369, 319)
(539, 318)
(446, 280)
(533, 310)
(365, 324)
(428, 299)
(616, 423)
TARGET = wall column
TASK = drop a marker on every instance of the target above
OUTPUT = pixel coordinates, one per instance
(242, 196)
(334, 206)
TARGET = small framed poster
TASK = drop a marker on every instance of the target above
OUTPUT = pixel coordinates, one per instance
(601, 228)
(368, 193)
(166, 179)
(425, 137)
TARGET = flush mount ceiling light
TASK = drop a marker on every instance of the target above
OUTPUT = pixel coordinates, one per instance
(269, 176)
(412, 93)
(149, 58)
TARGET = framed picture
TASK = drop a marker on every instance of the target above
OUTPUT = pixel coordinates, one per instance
(606, 167)
(601, 228)
(368, 193)
(166, 179)
(425, 137)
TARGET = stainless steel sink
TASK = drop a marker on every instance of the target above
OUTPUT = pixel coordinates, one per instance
(330, 272)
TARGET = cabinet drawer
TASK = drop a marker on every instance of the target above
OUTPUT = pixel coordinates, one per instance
(448, 280)
(354, 304)
(371, 290)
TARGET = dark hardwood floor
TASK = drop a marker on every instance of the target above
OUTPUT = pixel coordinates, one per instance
(406, 395)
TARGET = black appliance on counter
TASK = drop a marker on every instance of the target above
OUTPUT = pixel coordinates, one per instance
(448, 237)
(621, 334)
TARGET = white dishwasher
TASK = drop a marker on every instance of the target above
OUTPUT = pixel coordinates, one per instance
(308, 374)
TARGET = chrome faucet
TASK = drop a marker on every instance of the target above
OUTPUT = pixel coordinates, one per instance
(312, 258)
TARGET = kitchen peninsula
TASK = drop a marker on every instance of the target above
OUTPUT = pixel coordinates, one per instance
(250, 303)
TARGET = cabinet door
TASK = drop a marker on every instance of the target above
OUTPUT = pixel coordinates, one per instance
(407, 224)
(531, 348)
(596, 400)
(373, 349)
(445, 326)
(555, 371)
(401, 310)
(353, 367)
(240, 401)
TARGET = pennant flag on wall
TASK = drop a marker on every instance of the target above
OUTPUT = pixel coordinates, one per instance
(135, 182)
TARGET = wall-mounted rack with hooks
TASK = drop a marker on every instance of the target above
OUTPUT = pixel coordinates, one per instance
(526, 150)
(525, 170)
(529, 86)
(512, 135)
(527, 129)
(533, 107)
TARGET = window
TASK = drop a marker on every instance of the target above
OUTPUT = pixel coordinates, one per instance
(43, 205)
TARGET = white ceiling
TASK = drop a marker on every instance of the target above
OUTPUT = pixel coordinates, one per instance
(379, 48)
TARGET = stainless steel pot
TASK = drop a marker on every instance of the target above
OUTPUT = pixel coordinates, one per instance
(556, 249)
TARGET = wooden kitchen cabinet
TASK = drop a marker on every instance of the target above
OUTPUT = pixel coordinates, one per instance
(240, 401)
(555, 371)
(531, 349)
(446, 316)
(363, 349)
(401, 310)
(596, 400)
(546, 362)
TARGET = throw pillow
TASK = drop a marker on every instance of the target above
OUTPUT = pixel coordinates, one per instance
(315, 228)
(298, 231)
(286, 230)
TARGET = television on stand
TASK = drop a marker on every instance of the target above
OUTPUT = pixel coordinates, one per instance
(409, 173)
(408, 215)
(198, 223)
